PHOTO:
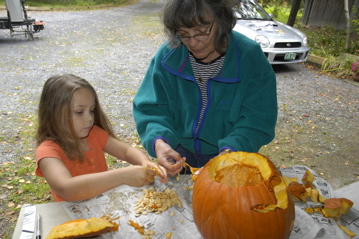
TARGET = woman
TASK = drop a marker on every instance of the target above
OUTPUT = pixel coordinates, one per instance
(208, 90)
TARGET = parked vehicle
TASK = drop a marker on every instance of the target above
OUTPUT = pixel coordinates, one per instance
(17, 20)
(282, 44)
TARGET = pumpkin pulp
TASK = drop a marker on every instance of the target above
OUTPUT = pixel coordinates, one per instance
(241, 169)
(239, 175)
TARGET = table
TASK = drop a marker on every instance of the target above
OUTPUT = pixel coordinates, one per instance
(52, 214)
(120, 202)
(122, 199)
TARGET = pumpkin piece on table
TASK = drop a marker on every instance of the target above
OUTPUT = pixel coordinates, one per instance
(80, 228)
(297, 190)
(335, 207)
(308, 179)
(346, 205)
(306, 191)
(313, 194)
(242, 195)
(347, 231)
(332, 207)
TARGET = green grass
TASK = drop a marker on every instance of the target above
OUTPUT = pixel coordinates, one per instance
(66, 5)
(19, 184)
(17, 177)
(325, 42)
(281, 14)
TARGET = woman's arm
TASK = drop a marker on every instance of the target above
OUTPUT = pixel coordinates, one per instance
(155, 104)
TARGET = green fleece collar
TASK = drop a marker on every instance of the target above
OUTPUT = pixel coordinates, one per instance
(184, 69)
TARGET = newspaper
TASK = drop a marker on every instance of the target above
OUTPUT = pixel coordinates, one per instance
(28, 226)
(120, 202)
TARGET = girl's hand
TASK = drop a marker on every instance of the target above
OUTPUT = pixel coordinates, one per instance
(140, 176)
(159, 170)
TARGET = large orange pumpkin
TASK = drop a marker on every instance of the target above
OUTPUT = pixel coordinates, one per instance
(242, 195)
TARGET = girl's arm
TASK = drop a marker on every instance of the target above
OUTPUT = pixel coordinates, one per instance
(132, 155)
(91, 185)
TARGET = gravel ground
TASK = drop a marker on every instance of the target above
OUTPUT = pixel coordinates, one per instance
(318, 122)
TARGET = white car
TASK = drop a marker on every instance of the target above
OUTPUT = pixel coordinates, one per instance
(282, 44)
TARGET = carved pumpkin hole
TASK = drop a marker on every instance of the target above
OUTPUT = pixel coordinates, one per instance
(239, 175)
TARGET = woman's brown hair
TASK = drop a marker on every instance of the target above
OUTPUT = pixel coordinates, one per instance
(55, 117)
(190, 13)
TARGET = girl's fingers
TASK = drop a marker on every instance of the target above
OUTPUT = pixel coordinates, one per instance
(160, 171)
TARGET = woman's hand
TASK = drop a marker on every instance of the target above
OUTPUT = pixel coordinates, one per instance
(168, 158)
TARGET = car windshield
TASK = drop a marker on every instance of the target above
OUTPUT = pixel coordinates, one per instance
(250, 10)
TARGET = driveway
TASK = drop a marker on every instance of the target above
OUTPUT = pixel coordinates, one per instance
(318, 122)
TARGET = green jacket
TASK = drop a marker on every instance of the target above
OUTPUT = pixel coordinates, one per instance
(242, 106)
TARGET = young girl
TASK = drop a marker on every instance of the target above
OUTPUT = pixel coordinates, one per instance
(73, 135)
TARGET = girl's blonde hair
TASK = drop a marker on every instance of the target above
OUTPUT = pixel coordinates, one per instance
(55, 114)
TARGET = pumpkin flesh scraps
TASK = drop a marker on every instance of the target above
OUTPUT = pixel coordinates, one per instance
(141, 229)
(137, 226)
(331, 207)
(347, 231)
(192, 169)
(226, 208)
(157, 172)
(239, 175)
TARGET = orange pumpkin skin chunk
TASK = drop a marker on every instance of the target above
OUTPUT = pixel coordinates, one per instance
(80, 228)
(242, 195)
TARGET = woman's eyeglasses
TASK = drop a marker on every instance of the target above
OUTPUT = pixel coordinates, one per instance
(199, 37)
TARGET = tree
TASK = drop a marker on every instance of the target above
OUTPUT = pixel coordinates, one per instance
(348, 23)
(293, 12)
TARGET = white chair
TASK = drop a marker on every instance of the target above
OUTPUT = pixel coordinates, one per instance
(15, 10)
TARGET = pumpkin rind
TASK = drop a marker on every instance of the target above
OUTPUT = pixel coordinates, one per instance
(80, 228)
(220, 210)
